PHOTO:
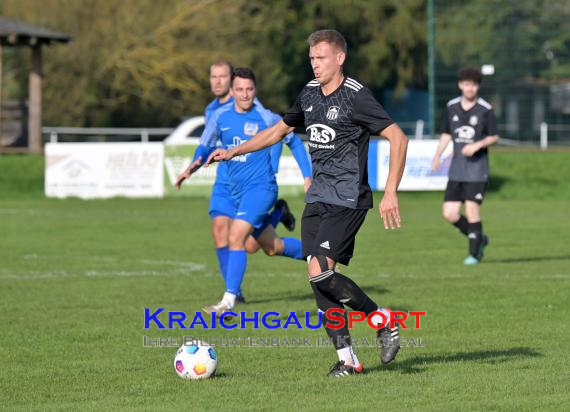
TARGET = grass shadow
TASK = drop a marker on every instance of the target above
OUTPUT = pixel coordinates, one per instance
(418, 364)
(496, 183)
(285, 297)
(528, 259)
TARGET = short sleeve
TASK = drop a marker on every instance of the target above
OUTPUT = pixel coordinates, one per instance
(368, 113)
(491, 124)
(295, 117)
(271, 119)
(445, 122)
(288, 137)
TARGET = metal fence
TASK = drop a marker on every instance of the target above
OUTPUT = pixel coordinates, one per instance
(104, 134)
(523, 50)
(414, 130)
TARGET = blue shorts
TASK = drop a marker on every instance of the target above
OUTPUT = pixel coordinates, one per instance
(222, 202)
(254, 205)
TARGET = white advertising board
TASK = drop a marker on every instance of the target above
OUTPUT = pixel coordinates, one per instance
(103, 170)
(417, 174)
(178, 158)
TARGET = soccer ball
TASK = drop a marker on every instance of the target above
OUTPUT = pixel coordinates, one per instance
(195, 360)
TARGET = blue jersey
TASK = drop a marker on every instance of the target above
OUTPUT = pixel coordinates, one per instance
(232, 129)
(215, 105)
(297, 149)
(203, 150)
(222, 171)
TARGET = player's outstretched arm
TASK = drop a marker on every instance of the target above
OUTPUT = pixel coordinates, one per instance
(260, 141)
(389, 206)
(195, 165)
(444, 140)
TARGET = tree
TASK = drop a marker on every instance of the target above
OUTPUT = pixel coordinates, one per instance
(530, 39)
(145, 62)
(387, 40)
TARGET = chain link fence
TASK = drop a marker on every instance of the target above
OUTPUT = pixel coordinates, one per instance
(523, 50)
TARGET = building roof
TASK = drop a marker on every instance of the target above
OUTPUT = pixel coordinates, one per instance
(17, 33)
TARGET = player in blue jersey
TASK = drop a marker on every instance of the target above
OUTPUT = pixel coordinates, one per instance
(297, 148)
(252, 181)
(222, 205)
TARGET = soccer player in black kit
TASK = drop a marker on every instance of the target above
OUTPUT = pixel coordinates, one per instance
(339, 114)
(470, 122)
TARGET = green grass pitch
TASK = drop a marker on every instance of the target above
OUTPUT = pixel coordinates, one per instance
(75, 277)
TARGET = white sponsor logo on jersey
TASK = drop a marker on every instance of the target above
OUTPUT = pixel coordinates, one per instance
(237, 142)
(310, 109)
(332, 114)
(250, 129)
(455, 118)
(473, 120)
(465, 134)
(320, 133)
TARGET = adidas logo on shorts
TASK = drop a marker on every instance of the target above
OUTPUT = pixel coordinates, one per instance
(325, 245)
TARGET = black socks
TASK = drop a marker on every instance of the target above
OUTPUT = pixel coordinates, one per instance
(462, 225)
(474, 231)
(475, 235)
(333, 290)
(340, 337)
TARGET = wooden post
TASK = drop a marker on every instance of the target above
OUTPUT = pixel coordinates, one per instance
(35, 101)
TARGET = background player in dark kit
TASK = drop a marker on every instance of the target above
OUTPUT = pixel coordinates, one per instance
(470, 122)
(339, 114)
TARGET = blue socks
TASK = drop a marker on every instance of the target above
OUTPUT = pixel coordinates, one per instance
(233, 263)
(237, 263)
(222, 254)
(292, 248)
(275, 217)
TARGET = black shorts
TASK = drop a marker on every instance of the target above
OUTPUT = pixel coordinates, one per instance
(330, 230)
(462, 191)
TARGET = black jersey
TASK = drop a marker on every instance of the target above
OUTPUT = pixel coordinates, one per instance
(467, 127)
(339, 127)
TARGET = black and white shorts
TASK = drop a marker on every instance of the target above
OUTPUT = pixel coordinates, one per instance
(330, 230)
(462, 191)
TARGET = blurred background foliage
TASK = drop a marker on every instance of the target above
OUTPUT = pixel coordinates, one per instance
(528, 44)
(145, 62)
